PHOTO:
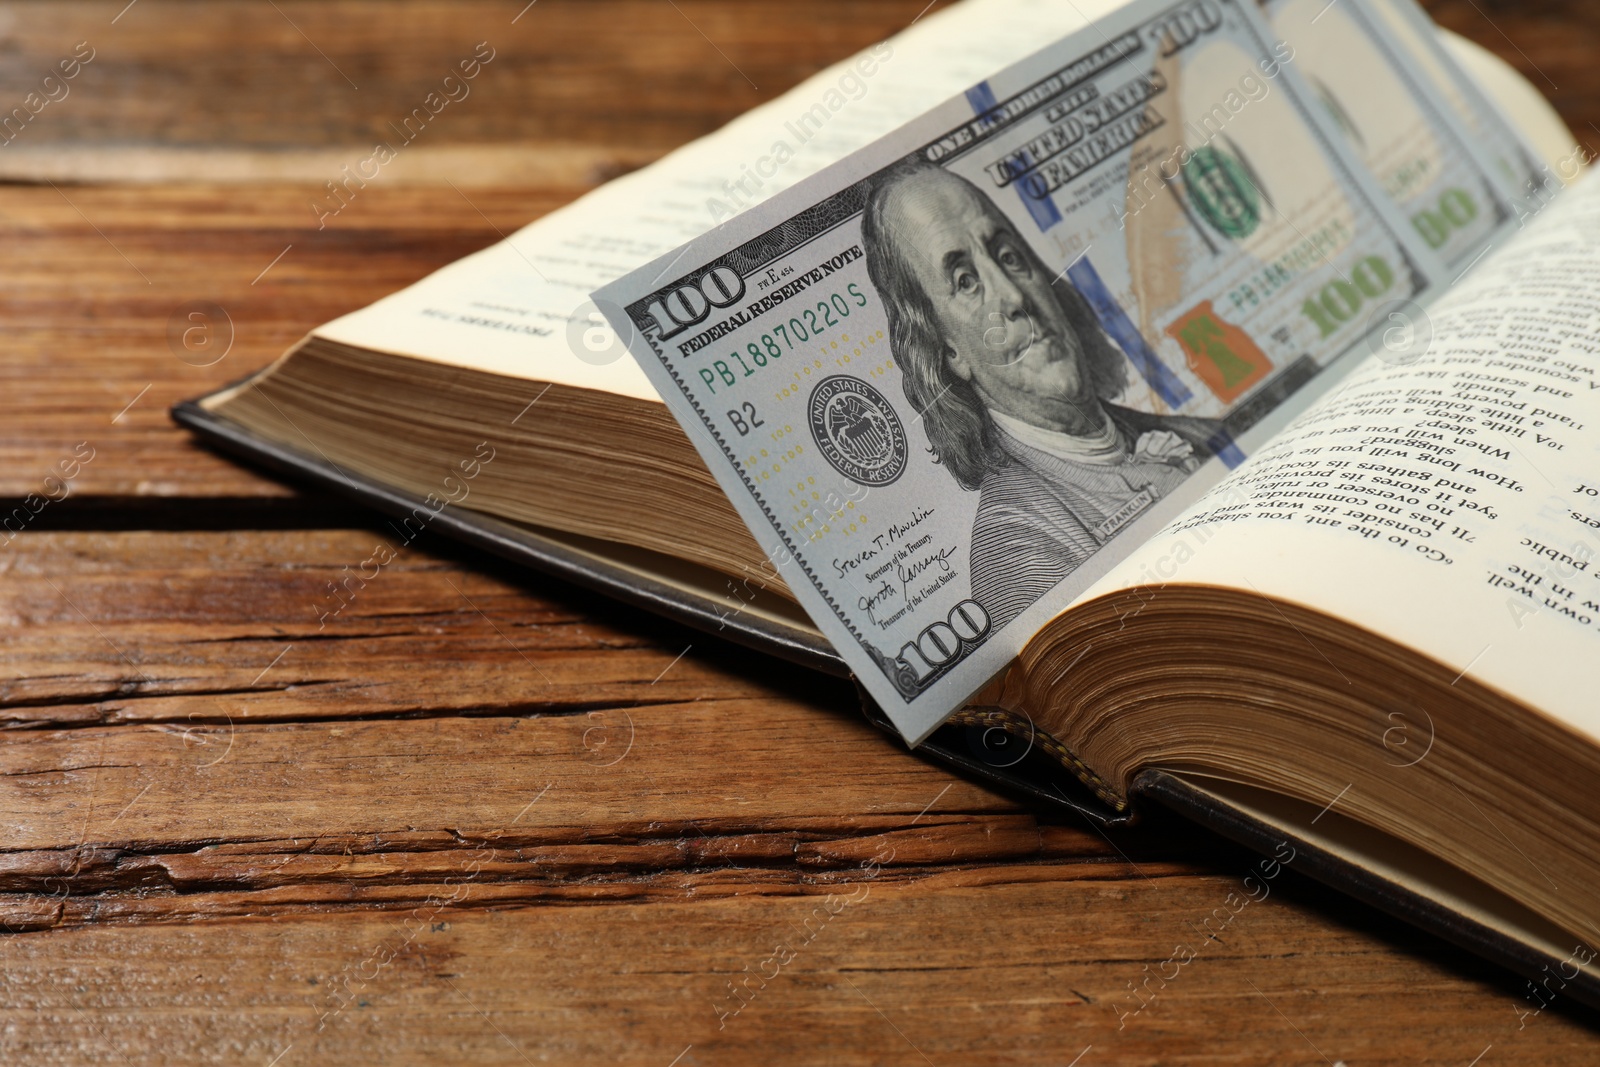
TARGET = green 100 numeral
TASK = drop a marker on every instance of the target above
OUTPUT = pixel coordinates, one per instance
(1340, 300)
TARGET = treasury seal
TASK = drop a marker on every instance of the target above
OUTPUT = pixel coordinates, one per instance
(857, 431)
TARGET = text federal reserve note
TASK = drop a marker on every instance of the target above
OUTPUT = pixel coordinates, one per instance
(949, 379)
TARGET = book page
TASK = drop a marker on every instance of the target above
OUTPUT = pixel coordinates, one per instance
(1448, 495)
(521, 308)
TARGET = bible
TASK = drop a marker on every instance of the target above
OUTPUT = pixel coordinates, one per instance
(1305, 554)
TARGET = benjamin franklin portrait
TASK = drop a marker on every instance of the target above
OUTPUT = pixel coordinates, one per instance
(1014, 378)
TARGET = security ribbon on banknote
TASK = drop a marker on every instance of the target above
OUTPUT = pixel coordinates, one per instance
(950, 379)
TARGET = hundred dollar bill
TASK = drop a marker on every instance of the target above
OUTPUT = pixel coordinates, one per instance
(950, 379)
(1398, 122)
(1408, 31)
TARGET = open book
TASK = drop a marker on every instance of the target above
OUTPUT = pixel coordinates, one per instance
(1367, 638)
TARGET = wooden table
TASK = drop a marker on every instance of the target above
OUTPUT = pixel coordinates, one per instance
(483, 816)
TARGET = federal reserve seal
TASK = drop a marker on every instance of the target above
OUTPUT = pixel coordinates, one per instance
(857, 430)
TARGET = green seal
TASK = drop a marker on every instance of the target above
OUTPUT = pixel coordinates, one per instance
(1221, 191)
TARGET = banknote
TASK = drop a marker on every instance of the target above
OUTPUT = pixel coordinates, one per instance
(1408, 31)
(1399, 123)
(950, 379)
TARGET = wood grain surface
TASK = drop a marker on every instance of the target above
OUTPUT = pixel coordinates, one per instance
(479, 816)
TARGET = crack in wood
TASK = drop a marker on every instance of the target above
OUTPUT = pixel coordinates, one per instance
(106, 717)
(563, 866)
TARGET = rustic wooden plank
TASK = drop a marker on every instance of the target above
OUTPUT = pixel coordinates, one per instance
(97, 885)
(619, 74)
(612, 74)
(196, 663)
(98, 276)
(155, 787)
(1027, 971)
(260, 626)
(103, 628)
(219, 792)
(709, 822)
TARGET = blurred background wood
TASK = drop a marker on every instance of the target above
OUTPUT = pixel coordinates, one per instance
(477, 815)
